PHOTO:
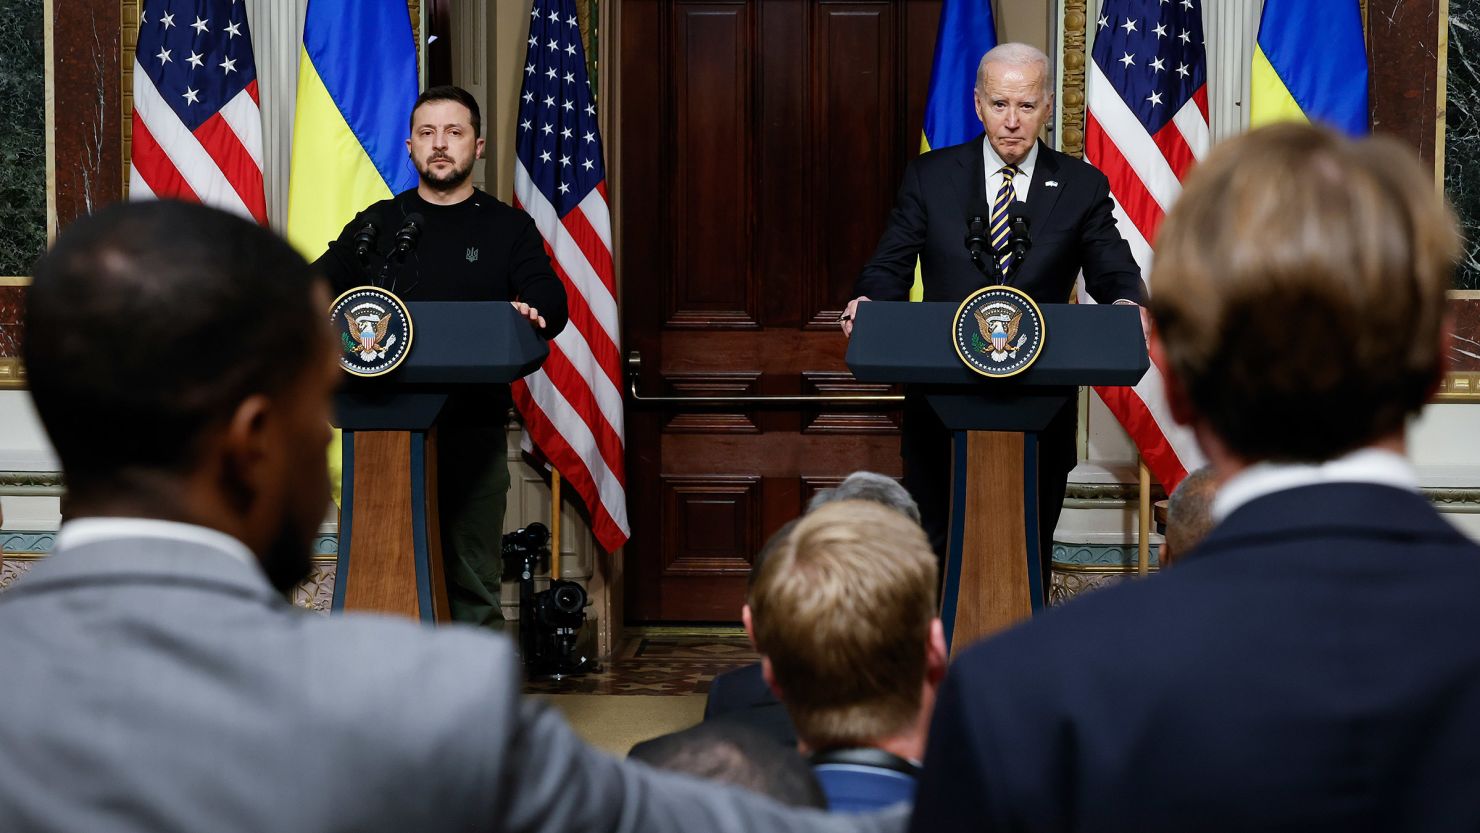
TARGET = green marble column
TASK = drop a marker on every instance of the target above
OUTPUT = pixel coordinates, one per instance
(1462, 132)
(22, 136)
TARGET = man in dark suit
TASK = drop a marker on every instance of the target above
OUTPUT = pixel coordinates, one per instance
(1312, 664)
(1071, 230)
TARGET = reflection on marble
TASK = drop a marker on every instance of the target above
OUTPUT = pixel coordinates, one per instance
(11, 298)
(22, 136)
(1464, 351)
(1462, 132)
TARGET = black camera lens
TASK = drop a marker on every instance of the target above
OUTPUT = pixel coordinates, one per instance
(568, 599)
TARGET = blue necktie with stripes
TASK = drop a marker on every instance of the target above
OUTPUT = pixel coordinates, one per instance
(1001, 233)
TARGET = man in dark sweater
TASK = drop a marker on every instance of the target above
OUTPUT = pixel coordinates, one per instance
(472, 248)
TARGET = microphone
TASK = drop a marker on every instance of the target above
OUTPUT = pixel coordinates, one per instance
(978, 232)
(1017, 219)
(365, 242)
(409, 234)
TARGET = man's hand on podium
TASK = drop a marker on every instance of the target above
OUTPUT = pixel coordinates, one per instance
(530, 313)
(1145, 317)
(846, 319)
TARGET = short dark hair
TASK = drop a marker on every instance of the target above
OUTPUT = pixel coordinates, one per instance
(149, 322)
(448, 92)
(733, 753)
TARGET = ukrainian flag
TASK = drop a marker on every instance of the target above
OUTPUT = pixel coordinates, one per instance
(965, 33)
(356, 83)
(1310, 64)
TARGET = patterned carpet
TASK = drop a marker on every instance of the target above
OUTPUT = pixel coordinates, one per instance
(662, 665)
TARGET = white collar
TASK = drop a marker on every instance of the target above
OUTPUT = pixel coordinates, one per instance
(84, 531)
(994, 162)
(1365, 465)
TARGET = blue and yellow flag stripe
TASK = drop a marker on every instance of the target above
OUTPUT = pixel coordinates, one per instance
(357, 81)
(1310, 64)
(965, 33)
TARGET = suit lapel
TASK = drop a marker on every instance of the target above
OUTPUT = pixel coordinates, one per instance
(1041, 198)
(974, 178)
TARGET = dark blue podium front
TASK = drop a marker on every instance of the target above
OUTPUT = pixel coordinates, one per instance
(390, 554)
(991, 577)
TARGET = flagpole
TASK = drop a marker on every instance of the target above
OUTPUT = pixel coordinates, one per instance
(554, 525)
(1143, 546)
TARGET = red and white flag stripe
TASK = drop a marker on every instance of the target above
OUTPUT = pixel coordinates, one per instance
(219, 164)
(572, 406)
(1145, 173)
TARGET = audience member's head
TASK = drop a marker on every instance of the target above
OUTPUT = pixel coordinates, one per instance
(732, 753)
(1189, 515)
(868, 485)
(181, 361)
(1299, 295)
(843, 613)
(860, 485)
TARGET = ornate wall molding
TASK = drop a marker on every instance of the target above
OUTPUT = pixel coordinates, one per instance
(1071, 85)
(31, 483)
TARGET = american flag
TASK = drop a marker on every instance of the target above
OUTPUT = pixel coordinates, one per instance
(1147, 124)
(572, 406)
(197, 129)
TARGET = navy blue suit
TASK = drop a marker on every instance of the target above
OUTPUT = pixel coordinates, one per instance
(1314, 665)
(1072, 231)
(742, 696)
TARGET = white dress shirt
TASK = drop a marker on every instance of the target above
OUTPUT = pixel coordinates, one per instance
(1365, 465)
(85, 531)
(994, 165)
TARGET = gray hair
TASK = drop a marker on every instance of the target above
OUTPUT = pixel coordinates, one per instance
(868, 485)
(1016, 55)
(1190, 511)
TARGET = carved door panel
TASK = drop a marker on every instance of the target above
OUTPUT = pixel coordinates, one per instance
(761, 144)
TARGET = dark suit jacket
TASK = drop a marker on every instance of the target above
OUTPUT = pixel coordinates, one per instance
(1069, 223)
(742, 696)
(1314, 665)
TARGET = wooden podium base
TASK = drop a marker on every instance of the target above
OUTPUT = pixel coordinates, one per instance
(992, 574)
(390, 553)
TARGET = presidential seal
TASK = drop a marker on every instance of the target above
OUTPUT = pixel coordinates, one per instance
(998, 331)
(374, 330)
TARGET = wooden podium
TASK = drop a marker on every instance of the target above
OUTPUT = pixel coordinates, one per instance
(390, 554)
(991, 577)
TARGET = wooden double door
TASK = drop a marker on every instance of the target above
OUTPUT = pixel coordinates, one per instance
(761, 144)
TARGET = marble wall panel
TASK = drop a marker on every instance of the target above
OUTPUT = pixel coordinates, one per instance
(1462, 135)
(22, 135)
(10, 317)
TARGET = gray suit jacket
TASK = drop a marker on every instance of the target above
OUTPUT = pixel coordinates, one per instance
(157, 685)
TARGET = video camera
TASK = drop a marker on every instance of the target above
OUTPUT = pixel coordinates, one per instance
(549, 620)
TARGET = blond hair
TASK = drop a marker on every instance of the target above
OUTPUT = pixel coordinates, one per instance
(1299, 290)
(842, 610)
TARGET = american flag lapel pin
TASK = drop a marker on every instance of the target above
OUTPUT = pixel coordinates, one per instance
(1052, 183)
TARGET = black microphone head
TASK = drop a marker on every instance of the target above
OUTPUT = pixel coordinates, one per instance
(410, 233)
(1018, 212)
(980, 209)
(365, 239)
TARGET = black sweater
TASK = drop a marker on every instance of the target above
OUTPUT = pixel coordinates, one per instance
(477, 250)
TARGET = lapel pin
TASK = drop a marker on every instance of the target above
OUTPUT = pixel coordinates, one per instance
(1052, 183)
